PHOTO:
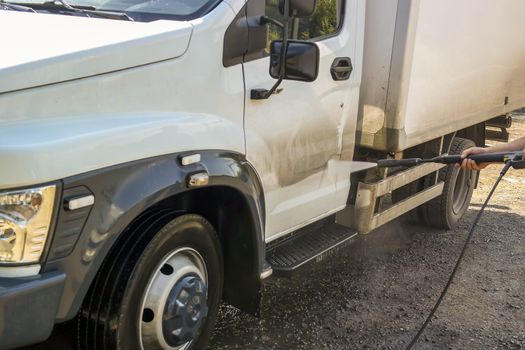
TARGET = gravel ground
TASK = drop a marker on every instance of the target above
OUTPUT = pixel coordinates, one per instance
(376, 293)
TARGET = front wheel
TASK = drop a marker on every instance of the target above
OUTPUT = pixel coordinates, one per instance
(446, 210)
(161, 291)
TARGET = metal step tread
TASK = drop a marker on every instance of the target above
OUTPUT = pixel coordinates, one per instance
(310, 244)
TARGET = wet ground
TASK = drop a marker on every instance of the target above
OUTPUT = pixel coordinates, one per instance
(376, 293)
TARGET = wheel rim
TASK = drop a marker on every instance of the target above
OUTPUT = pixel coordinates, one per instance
(174, 305)
(461, 190)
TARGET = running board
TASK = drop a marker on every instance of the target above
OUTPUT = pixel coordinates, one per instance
(311, 244)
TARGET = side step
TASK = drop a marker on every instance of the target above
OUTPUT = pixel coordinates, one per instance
(310, 244)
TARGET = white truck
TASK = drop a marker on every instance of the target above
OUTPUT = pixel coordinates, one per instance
(159, 156)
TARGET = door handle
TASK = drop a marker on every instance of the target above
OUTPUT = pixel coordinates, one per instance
(341, 68)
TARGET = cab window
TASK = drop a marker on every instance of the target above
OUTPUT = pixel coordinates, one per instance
(324, 22)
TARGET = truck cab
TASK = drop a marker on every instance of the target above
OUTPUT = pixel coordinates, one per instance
(152, 168)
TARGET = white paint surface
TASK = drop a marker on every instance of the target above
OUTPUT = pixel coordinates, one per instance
(435, 67)
(142, 107)
(184, 104)
(295, 138)
(49, 48)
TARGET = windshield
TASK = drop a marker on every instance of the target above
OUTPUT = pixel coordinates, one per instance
(145, 10)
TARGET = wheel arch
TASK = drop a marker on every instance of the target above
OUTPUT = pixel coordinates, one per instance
(125, 193)
(237, 230)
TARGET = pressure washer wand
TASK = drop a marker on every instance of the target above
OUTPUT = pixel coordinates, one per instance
(514, 160)
(501, 157)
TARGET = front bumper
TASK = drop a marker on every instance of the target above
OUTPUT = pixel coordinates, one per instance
(28, 307)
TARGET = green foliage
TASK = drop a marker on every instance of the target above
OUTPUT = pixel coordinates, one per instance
(323, 22)
(272, 10)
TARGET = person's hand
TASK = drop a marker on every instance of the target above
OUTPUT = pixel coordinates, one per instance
(469, 163)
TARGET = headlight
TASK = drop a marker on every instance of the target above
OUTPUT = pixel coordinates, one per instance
(25, 217)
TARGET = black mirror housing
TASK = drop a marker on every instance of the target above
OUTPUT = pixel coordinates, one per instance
(290, 59)
(298, 8)
(301, 62)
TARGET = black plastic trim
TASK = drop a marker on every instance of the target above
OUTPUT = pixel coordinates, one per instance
(124, 191)
(69, 223)
(245, 38)
(235, 43)
(341, 68)
(309, 244)
(28, 307)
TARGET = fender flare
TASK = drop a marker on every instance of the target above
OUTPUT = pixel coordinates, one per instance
(122, 193)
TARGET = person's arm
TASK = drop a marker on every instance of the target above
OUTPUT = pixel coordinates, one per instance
(516, 145)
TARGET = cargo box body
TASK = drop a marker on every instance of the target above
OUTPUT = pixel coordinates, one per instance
(434, 67)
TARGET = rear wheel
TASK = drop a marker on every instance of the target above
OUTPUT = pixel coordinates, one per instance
(447, 210)
(160, 290)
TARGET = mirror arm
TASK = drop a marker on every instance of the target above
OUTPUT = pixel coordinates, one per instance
(286, 33)
(263, 94)
(266, 20)
(275, 86)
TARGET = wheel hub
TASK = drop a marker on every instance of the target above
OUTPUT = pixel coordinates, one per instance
(175, 303)
(185, 311)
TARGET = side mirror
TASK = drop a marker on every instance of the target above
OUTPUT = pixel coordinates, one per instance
(289, 59)
(301, 60)
(297, 8)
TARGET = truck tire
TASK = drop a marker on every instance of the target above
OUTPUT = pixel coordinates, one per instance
(158, 291)
(447, 210)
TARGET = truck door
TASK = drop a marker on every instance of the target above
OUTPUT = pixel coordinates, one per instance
(294, 139)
